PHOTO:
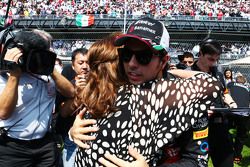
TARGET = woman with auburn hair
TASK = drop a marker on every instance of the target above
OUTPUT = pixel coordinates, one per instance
(121, 114)
(104, 80)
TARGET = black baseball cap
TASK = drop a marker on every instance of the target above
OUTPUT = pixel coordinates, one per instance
(150, 31)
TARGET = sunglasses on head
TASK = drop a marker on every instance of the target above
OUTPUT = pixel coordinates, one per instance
(143, 57)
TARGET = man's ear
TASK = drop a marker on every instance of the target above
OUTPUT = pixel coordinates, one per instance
(164, 61)
(200, 54)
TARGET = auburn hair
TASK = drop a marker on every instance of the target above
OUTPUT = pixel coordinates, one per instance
(104, 79)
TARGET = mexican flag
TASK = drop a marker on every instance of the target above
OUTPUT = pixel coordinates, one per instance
(2, 22)
(7, 22)
(84, 20)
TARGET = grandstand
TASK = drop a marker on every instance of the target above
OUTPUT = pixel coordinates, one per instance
(188, 22)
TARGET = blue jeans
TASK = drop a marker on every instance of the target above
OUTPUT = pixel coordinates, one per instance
(69, 152)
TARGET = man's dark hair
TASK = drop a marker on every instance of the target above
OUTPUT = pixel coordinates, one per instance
(187, 54)
(180, 58)
(75, 52)
(231, 71)
(210, 46)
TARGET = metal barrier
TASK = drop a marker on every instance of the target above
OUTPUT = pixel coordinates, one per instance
(238, 24)
(129, 16)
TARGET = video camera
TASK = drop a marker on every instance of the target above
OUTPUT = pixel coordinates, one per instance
(34, 60)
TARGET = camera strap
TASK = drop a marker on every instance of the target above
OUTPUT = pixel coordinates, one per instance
(14, 124)
(41, 79)
(4, 132)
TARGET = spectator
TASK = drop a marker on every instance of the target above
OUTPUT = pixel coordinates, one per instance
(172, 8)
(220, 144)
(228, 75)
(186, 60)
(66, 117)
(181, 65)
(240, 94)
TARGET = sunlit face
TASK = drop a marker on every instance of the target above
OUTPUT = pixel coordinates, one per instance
(80, 64)
(136, 72)
(228, 74)
(188, 61)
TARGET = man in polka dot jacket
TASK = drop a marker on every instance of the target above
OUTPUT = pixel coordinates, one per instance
(191, 148)
(148, 113)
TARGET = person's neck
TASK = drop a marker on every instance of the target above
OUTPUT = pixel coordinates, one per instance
(159, 75)
(202, 67)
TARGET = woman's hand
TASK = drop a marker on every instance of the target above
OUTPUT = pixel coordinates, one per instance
(81, 128)
(113, 161)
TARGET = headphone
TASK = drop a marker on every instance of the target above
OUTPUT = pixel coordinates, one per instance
(210, 45)
(208, 41)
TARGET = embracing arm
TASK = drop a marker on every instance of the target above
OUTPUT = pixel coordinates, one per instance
(113, 161)
(183, 73)
(81, 128)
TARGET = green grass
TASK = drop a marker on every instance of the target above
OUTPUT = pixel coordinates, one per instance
(245, 153)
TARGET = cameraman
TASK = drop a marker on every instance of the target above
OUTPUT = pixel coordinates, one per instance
(26, 105)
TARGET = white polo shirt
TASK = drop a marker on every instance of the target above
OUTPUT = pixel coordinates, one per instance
(33, 112)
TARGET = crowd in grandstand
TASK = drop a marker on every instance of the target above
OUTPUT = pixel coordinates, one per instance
(64, 48)
(220, 9)
(230, 51)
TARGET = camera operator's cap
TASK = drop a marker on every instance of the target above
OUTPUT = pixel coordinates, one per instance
(148, 30)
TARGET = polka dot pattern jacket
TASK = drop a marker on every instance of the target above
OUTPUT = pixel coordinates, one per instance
(149, 116)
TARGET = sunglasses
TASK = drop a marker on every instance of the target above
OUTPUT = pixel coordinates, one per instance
(143, 57)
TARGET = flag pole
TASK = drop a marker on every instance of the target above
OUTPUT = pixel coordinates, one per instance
(7, 11)
(125, 16)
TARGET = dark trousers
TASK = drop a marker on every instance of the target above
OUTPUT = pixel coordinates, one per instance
(220, 144)
(34, 153)
(242, 126)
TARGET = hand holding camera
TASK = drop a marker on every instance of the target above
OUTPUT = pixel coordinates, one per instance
(13, 58)
(81, 80)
